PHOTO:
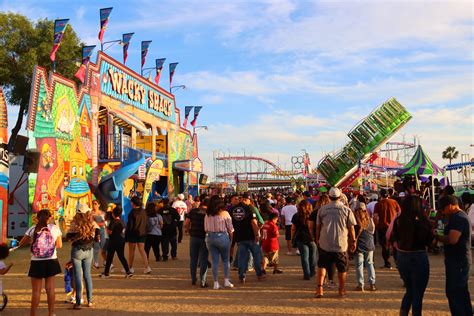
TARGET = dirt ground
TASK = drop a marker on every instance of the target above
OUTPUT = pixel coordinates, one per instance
(168, 290)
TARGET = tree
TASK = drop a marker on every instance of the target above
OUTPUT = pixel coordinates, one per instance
(450, 153)
(24, 44)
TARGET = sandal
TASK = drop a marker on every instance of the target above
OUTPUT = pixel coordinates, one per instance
(319, 293)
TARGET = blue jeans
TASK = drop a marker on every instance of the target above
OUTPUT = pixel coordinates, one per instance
(414, 269)
(366, 259)
(308, 258)
(82, 261)
(219, 245)
(243, 250)
(457, 288)
(198, 253)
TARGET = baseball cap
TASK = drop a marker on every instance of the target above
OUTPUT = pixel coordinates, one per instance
(83, 208)
(334, 192)
(181, 196)
(245, 195)
(307, 194)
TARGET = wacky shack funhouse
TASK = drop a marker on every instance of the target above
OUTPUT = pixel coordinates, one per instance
(118, 134)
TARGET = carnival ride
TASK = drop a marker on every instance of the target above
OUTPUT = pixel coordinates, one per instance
(367, 137)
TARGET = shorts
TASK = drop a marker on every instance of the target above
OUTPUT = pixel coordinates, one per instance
(326, 259)
(271, 257)
(41, 269)
(287, 232)
(136, 239)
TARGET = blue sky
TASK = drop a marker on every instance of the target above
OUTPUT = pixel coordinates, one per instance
(278, 76)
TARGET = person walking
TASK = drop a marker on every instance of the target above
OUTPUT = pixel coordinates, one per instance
(287, 213)
(219, 230)
(170, 223)
(385, 212)
(154, 226)
(457, 256)
(83, 233)
(301, 235)
(198, 252)
(99, 247)
(180, 206)
(364, 254)
(410, 236)
(45, 239)
(334, 236)
(116, 243)
(135, 234)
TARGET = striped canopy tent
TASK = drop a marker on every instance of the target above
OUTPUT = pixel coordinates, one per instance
(420, 164)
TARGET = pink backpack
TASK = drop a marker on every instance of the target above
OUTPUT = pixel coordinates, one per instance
(44, 244)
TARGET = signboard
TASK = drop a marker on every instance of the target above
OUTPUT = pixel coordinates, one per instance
(131, 89)
(152, 175)
(4, 164)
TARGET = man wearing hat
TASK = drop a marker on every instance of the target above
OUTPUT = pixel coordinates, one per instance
(182, 209)
(334, 236)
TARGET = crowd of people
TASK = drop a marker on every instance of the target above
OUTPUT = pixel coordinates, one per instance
(241, 231)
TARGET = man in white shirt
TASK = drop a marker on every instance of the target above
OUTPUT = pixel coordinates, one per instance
(371, 205)
(182, 209)
(287, 213)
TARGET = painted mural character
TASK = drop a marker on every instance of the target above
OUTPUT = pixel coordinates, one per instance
(46, 156)
(45, 110)
(65, 123)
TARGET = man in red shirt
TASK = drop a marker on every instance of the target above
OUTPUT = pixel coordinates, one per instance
(384, 213)
(270, 243)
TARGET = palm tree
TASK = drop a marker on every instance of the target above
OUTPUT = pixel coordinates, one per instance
(450, 153)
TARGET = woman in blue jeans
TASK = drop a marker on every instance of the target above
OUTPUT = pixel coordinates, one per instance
(301, 235)
(364, 254)
(410, 236)
(219, 230)
(83, 233)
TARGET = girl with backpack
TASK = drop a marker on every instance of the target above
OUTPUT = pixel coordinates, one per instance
(83, 233)
(44, 239)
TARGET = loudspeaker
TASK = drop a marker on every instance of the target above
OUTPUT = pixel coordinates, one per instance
(31, 161)
(19, 148)
(202, 179)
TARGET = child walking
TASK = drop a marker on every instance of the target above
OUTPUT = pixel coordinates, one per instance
(364, 254)
(116, 243)
(270, 244)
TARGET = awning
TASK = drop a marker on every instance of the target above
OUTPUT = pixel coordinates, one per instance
(129, 119)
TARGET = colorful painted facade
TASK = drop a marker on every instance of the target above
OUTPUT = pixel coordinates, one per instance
(4, 166)
(84, 137)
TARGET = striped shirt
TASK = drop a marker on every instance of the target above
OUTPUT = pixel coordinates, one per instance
(221, 223)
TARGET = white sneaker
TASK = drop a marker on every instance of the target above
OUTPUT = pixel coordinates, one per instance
(228, 284)
(216, 286)
(147, 270)
(132, 270)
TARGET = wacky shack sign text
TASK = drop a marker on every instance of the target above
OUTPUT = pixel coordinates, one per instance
(130, 89)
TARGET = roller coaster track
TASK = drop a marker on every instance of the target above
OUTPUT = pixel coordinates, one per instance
(253, 158)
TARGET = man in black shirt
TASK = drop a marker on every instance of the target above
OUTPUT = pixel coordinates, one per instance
(247, 236)
(169, 230)
(458, 258)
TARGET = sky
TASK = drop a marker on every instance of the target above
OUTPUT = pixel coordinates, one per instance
(276, 77)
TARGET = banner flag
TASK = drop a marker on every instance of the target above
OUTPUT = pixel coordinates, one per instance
(126, 38)
(86, 56)
(197, 109)
(187, 110)
(172, 69)
(159, 66)
(59, 28)
(126, 42)
(104, 20)
(145, 45)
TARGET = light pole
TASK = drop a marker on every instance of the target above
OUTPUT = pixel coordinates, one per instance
(182, 86)
(109, 42)
(306, 168)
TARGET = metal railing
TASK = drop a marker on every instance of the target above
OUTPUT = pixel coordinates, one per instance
(113, 147)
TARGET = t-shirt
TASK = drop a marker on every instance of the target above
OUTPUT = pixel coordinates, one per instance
(386, 209)
(55, 233)
(302, 231)
(181, 207)
(136, 224)
(117, 228)
(313, 217)
(242, 216)
(153, 226)
(196, 227)
(270, 236)
(461, 251)
(371, 208)
(334, 218)
(288, 211)
(170, 221)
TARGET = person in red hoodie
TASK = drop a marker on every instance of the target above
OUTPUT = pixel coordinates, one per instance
(270, 243)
